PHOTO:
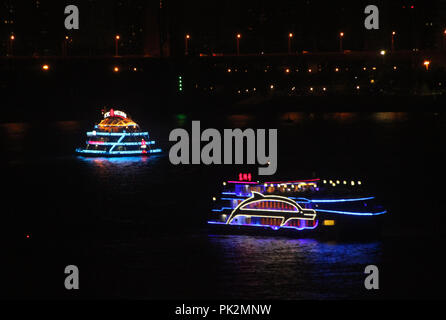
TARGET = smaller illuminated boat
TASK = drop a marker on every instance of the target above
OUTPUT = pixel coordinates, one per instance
(117, 135)
(303, 206)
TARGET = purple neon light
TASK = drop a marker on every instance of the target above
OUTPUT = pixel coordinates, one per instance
(267, 226)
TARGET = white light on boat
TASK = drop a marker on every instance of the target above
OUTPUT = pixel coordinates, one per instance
(359, 182)
(214, 198)
(224, 183)
(353, 183)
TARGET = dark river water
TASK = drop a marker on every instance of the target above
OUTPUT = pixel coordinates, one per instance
(136, 227)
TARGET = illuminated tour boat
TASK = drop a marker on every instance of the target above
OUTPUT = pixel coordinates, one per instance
(117, 135)
(303, 206)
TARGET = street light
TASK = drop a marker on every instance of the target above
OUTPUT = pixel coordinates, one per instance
(117, 37)
(393, 40)
(238, 36)
(341, 36)
(186, 39)
(11, 41)
(65, 45)
(444, 39)
(290, 35)
(426, 63)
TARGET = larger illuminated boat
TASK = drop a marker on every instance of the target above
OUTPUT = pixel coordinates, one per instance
(302, 206)
(117, 135)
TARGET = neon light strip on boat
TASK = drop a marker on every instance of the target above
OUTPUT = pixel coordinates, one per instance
(117, 152)
(353, 213)
(288, 182)
(242, 182)
(121, 143)
(222, 208)
(266, 225)
(117, 143)
(304, 200)
(91, 133)
(336, 200)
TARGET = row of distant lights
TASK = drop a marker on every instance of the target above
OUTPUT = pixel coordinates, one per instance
(310, 70)
(334, 183)
(116, 69)
(312, 89)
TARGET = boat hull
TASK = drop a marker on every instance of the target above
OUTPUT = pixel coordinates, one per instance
(355, 227)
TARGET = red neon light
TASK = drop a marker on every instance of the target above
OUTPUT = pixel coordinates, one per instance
(95, 142)
(112, 113)
(244, 177)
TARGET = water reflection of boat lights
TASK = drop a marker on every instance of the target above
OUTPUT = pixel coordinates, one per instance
(116, 160)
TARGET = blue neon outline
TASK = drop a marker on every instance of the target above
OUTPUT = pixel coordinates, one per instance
(222, 208)
(341, 200)
(117, 143)
(352, 213)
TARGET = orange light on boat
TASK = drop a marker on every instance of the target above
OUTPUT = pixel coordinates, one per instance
(426, 63)
(116, 69)
(329, 223)
(46, 67)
